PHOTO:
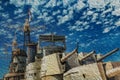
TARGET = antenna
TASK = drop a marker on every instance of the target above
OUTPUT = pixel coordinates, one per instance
(14, 43)
(29, 15)
(77, 46)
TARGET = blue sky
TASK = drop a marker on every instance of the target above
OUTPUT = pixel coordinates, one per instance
(95, 24)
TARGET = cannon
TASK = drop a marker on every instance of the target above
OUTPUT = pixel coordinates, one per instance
(54, 72)
(108, 54)
(68, 55)
(113, 72)
(87, 55)
(95, 71)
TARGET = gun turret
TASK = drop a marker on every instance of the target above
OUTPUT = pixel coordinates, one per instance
(113, 72)
(68, 55)
(108, 54)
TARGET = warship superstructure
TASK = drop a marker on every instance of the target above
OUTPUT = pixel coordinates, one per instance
(18, 63)
(47, 60)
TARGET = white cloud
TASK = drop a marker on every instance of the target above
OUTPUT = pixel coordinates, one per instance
(35, 22)
(85, 23)
(115, 3)
(59, 16)
(5, 15)
(56, 12)
(117, 23)
(48, 18)
(106, 22)
(63, 19)
(59, 3)
(3, 25)
(17, 3)
(70, 34)
(76, 28)
(106, 11)
(116, 12)
(47, 33)
(20, 16)
(45, 14)
(77, 23)
(79, 5)
(84, 44)
(38, 2)
(9, 20)
(108, 29)
(83, 17)
(79, 29)
(9, 36)
(68, 14)
(65, 12)
(90, 12)
(95, 16)
(35, 10)
(40, 17)
(79, 26)
(2, 49)
(67, 2)
(14, 26)
(87, 27)
(98, 22)
(96, 3)
(30, 2)
(35, 2)
(94, 41)
(51, 3)
(2, 31)
(72, 27)
(117, 34)
(18, 11)
(114, 35)
(37, 35)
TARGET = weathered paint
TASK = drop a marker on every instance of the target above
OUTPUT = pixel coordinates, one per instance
(51, 65)
(85, 72)
(33, 71)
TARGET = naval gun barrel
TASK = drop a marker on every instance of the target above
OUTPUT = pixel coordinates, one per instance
(88, 55)
(68, 55)
(108, 54)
